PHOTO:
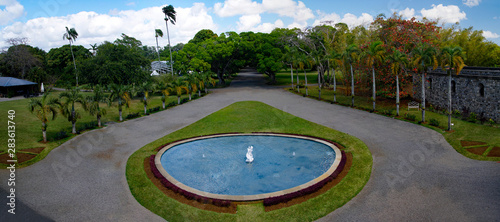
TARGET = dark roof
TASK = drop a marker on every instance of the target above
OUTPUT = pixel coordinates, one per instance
(11, 81)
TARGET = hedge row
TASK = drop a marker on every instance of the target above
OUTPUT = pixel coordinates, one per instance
(287, 197)
(188, 195)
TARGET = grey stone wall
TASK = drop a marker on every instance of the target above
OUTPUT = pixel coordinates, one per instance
(475, 89)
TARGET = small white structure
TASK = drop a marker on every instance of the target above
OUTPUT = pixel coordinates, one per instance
(249, 154)
(154, 73)
(41, 88)
(160, 66)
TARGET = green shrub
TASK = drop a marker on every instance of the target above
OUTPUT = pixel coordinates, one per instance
(410, 117)
(456, 114)
(472, 117)
(434, 122)
(388, 112)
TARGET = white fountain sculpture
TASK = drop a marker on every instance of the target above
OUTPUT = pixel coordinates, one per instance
(249, 154)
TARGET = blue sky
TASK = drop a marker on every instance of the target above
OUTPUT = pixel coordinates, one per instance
(43, 21)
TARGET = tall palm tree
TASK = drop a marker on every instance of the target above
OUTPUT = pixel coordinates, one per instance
(375, 52)
(200, 82)
(43, 108)
(170, 14)
(69, 98)
(93, 47)
(349, 55)
(398, 63)
(121, 93)
(424, 56)
(71, 36)
(336, 59)
(453, 58)
(178, 86)
(93, 103)
(158, 33)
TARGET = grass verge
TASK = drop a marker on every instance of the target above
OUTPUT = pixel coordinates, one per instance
(461, 130)
(247, 117)
(29, 132)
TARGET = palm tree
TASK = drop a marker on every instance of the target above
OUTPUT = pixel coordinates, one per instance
(119, 92)
(70, 98)
(93, 47)
(158, 33)
(335, 57)
(178, 86)
(208, 80)
(349, 56)
(170, 13)
(93, 103)
(192, 83)
(71, 36)
(200, 82)
(453, 58)
(424, 56)
(43, 108)
(375, 52)
(303, 61)
(145, 88)
(398, 62)
(162, 88)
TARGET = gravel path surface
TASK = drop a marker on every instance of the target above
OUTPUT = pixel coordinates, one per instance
(416, 174)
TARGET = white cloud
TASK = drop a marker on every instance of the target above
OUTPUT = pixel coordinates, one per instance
(237, 7)
(12, 11)
(289, 8)
(471, 3)
(446, 14)
(247, 22)
(93, 28)
(131, 4)
(268, 27)
(350, 19)
(490, 35)
(407, 13)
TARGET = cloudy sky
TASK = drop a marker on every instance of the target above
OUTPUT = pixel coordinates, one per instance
(43, 22)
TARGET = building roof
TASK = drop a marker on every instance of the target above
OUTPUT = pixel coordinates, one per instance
(11, 81)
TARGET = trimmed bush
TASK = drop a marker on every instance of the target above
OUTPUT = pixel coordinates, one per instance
(434, 122)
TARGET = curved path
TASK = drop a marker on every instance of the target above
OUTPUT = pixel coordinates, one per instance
(416, 174)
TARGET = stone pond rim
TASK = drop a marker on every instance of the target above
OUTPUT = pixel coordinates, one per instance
(243, 198)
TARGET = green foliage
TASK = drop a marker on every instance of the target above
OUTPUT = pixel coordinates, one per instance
(434, 122)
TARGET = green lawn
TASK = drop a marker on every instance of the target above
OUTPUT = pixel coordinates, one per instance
(283, 77)
(28, 127)
(461, 130)
(246, 117)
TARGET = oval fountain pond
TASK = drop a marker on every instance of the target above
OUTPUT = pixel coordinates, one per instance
(218, 167)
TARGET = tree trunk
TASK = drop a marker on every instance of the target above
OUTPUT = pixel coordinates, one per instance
(291, 74)
(352, 87)
(73, 122)
(334, 87)
(423, 97)
(73, 130)
(189, 96)
(44, 132)
(319, 85)
(449, 99)
(163, 103)
(99, 121)
(298, 88)
(199, 93)
(178, 100)
(170, 49)
(305, 76)
(145, 110)
(120, 112)
(397, 95)
(374, 90)
(74, 63)
(157, 49)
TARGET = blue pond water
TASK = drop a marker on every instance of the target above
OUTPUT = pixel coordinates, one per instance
(217, 165)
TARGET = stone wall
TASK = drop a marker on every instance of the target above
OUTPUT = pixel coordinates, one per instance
(475, 89)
